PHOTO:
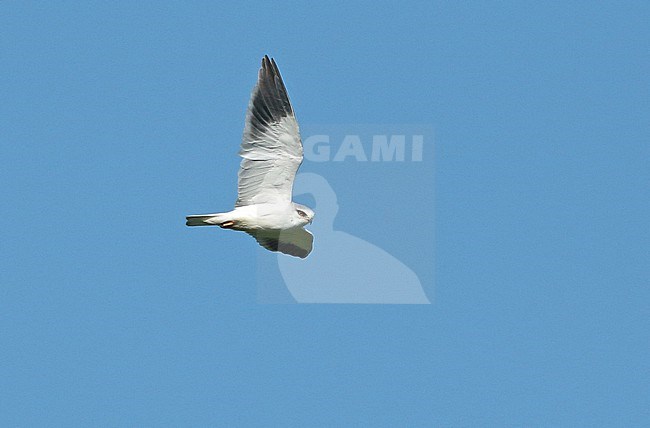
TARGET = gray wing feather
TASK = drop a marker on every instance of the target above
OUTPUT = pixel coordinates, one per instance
(296, 242)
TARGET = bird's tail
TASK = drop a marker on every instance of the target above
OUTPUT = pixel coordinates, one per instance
(205, 219)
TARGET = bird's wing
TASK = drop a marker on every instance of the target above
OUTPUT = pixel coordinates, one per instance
(271, 148)
(296, 242)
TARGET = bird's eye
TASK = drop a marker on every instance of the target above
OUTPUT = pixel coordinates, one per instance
(301, 213)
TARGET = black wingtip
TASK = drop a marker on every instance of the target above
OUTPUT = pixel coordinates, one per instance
(269, 63)
(266, 62)
(271, 100)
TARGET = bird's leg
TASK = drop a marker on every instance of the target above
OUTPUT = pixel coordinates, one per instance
(227, 224)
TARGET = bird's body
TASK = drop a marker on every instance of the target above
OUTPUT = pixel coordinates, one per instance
(271, 152)
(252, 217)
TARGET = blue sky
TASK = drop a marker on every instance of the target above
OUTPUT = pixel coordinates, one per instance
(118, 120)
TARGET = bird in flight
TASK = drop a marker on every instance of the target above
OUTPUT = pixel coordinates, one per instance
(271, 152)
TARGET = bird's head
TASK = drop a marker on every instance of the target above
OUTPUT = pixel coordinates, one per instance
(302, 214)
